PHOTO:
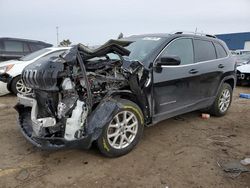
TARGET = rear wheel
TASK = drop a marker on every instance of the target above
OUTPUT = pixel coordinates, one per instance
(17, 86)
(222, 101)
(123, 132)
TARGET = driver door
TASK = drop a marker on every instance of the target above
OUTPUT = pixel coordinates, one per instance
(176, 87)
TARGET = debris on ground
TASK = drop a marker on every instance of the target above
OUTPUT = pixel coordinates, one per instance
(245, 161)
(233, 168)
(23, 175)
(205, 116)
(245, 95)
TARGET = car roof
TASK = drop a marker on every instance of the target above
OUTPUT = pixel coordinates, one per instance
(23, 40)
(179, 34)
(150, 35)
(166, 35)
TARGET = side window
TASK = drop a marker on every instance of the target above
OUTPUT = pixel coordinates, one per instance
(221, 52)
(204, 50)
(183, 48)
(25, 47)
(1, 46)
(13, 46)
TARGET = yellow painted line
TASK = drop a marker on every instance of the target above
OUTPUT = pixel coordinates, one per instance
(4, 172)
(7, 171)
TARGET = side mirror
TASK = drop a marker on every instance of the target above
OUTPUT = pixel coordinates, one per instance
(168, 60)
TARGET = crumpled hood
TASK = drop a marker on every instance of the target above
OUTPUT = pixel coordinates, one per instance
(244, 68)
(112, 46)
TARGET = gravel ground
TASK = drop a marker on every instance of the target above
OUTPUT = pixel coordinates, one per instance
(178, 152)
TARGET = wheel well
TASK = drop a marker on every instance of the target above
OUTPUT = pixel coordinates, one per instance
(230, 82)
(130, 97)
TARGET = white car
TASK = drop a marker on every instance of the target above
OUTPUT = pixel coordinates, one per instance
(243, 74)
(10, 71)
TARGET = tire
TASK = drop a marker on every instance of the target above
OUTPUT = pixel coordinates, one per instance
(15, 86)
(224, 95)
(117, 132)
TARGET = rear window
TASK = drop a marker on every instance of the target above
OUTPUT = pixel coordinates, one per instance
(204, 50)
(35, 47)
(13, 46)
(34, 54)
(221, 52)
(53, 54)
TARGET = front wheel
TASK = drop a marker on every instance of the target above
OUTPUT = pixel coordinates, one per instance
(222, 101)
(18, 86)
(123, 132)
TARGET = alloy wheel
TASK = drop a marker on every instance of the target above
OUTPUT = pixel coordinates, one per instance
(224, 100)
(122, 129)
(21, 88)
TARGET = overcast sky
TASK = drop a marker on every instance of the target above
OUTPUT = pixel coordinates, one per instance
(93, 22)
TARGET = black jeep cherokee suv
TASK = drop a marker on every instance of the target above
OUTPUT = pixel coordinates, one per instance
(110, 93)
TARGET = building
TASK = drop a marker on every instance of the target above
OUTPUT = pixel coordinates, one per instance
(236, 41)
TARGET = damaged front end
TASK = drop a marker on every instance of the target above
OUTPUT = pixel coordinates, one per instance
(75, 94)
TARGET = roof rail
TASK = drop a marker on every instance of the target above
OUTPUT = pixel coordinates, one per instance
(195, 33)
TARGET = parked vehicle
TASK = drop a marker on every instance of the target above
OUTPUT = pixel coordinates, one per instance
(243, 74)
(91, 95)
(10, 71)
(14, 48)
(242, 59)
(240, 52)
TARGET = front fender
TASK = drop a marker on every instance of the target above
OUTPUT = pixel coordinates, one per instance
(102, 115)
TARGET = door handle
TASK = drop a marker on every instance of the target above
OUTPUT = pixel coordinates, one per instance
(193, 71)
(221, 66)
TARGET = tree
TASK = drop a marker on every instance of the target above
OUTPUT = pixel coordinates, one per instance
(66, 42)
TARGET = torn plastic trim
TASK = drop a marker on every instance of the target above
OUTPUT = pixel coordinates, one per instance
(37, 124)
(101, 116)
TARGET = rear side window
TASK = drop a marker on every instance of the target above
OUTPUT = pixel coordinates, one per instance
(183, 48)
(221, 52)
(204, 50)
(13, 46)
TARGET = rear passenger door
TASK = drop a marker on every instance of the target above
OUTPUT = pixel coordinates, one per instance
(210, 68)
